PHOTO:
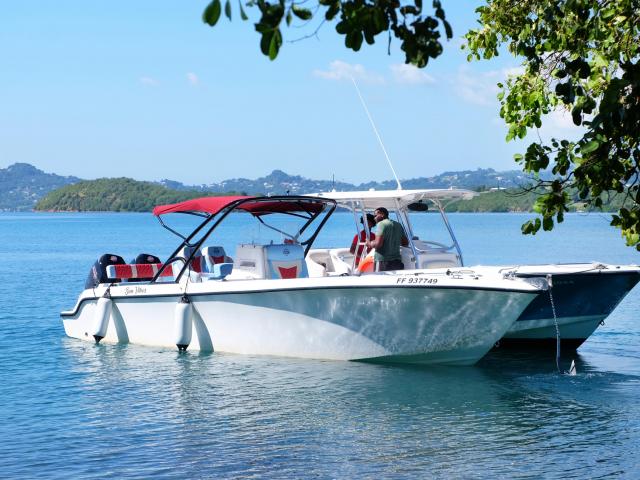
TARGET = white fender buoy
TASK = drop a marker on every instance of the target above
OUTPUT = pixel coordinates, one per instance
(101, 318)
(183, 324)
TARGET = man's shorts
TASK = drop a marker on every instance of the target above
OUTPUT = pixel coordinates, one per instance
(390, 265)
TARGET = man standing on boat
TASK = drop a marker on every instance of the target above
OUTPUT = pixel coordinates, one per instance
(390, 235)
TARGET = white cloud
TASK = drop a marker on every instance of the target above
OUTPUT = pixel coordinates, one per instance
(512, 71)
(559, 124)
(339, 70)
(560, 119)
(409, 75)
(480, 88)
(477, 88)
(149, 82)
(193, 79)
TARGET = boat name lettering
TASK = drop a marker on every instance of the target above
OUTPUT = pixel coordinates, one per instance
(416, 280)
(130, 291)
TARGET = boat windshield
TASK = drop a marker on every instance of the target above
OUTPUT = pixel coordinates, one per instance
(431, 240)
(429, 226)
(426, 222)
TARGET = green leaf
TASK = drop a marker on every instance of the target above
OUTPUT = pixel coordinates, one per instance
(368, 36)
(576, 116)
(227, 9)
(274, 44)
(265, 41)
(211, 14)
(302, 13)
(332, 11)
(263, 28)
(243, 15)
(348, 39)
(591, 146)
(357, 40)
(632, 238)
(408, 10)
(531, 227)
(343, 27)
(379, 20)
(447, 28)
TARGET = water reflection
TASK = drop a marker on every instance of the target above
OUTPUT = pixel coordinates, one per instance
(243, 415)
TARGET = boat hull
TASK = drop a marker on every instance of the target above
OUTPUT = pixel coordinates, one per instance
(375, 318)
(583, 299)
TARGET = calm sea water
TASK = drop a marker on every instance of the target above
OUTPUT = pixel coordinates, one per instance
(70, 409)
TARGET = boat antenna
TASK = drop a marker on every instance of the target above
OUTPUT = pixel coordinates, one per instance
(376, 132)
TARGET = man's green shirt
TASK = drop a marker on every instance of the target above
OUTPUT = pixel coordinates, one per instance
(392, 233)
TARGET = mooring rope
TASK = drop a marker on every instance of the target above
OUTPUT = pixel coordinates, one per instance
(555, 321)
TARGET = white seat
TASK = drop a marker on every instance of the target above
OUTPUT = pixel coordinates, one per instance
(269, 261)
(318, 262)
(249, 262)
(342, 260)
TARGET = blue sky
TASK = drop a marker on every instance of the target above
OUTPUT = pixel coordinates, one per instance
(144, 89)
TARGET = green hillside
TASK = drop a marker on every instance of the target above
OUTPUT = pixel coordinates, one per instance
(496, 201)
(113, 195)
(127, 195)
(515, 200)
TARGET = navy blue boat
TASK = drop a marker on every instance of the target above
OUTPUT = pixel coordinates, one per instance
(581, 298)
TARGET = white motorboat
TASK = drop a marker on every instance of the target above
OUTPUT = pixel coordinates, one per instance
(269, 299)
(581, 295)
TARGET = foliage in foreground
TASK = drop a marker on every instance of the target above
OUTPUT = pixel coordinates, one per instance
(581, 56)
(360, 20)
(113, 195)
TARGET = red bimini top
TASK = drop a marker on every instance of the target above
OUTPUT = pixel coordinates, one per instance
(204, 204)
(261, 205)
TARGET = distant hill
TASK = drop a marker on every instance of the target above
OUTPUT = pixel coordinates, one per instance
(22, 185)
(510, 200)
(128, 195)
(280, 183)
(113, 195)
(515, 200)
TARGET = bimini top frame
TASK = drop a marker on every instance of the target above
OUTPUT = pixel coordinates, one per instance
(402, 202)
(215, 209)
